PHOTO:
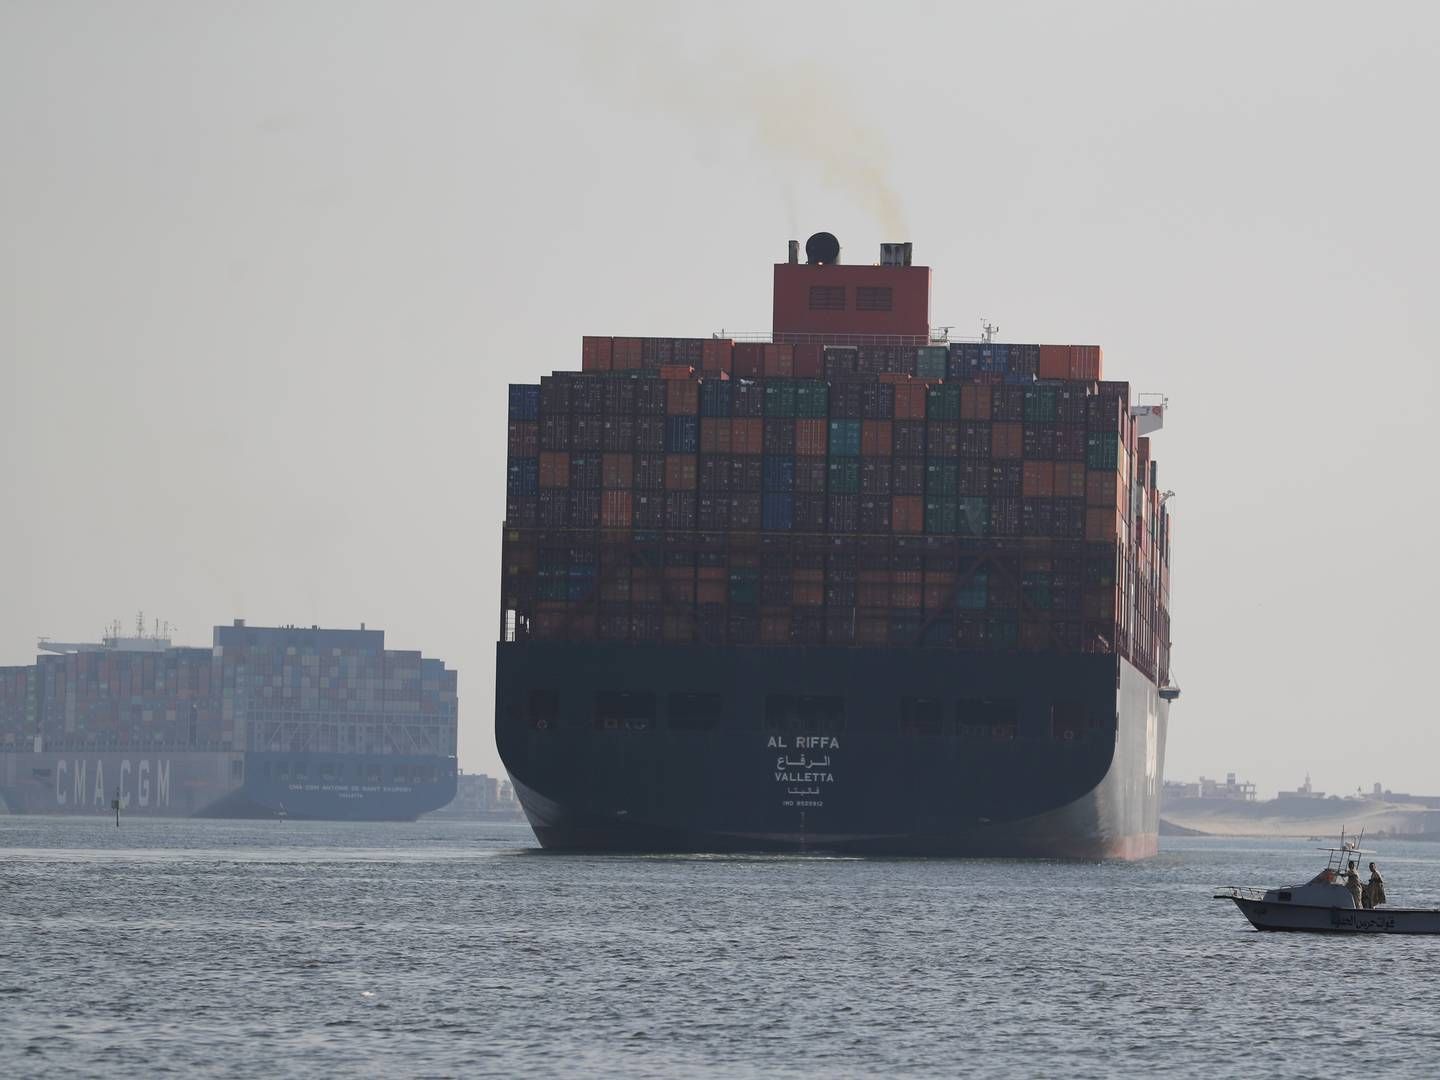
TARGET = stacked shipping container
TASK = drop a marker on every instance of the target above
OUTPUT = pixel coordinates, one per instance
(984, 496)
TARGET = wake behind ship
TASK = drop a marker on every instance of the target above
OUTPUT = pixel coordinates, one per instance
(269, 722)
(846, 586)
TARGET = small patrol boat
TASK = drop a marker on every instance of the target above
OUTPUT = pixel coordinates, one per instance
(1324, 905)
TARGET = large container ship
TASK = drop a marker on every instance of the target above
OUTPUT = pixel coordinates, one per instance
(268, 722)
(845, 586)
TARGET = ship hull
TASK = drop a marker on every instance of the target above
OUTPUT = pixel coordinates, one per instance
(218, 784)
(863, 782)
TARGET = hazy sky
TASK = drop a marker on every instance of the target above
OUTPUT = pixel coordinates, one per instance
(268, 268)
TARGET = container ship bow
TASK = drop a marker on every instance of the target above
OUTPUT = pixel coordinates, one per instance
(844, 587)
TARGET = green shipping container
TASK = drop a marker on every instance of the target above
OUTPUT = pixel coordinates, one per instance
(942, 515)
(812, 400)
(844, 476)
(943, 402)
(1102, 450)
(971, 596)
(844, 438)
(1040, 404)
(780, 398)
(743, 587)
(1036, 589)
(930, 361)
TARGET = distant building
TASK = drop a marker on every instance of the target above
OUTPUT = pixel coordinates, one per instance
(1205, 788)
(482, 797)
(1304, 791)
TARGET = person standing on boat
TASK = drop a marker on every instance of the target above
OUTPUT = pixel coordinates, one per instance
(1374, 889)
(1352, 883)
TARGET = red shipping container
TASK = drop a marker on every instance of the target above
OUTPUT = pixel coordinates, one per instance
(811, 438)
(1070, 479)
(748, 360)
(554, 469)
(809, 361)
(615, 509)
(1007, 440)
(676, 371)
(876, 437)
(1103, 523)
(778, 361)
(682, 398)
(975, 402)
(625, 354)
(595, 354)
(715, 354)
(907, 513)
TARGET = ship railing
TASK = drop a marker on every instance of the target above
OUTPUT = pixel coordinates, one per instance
(1240, 892)
(938, 335)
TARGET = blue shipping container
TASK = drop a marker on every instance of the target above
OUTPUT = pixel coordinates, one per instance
(524, 402)
(777, 511)
(778, 472)
(522, 476)
(682, 434)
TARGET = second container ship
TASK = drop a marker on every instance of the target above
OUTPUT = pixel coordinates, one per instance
(844, 588)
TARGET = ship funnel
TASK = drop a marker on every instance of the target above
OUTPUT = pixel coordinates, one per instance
(823, 248)
(895, 254)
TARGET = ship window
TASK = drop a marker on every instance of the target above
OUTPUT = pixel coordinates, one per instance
(694, 712)
(827, 297)
(1067, 720)
(807, 713)
(617, 711)
(987, 718)
(544, 710)
(921, 716)
(872, 298)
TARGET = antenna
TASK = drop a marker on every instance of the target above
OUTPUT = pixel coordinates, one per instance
(988, 331)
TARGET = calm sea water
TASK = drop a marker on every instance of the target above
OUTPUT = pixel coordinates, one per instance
(262, 949)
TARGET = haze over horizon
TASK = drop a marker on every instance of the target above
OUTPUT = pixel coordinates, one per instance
(271, 267)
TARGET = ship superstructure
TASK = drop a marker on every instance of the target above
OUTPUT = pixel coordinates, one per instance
(850, 586)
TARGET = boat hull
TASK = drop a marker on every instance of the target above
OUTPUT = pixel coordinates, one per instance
(221, 784)
(1305, 918)
(866, 787)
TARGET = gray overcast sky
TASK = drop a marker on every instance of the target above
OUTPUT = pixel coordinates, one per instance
(268, 268)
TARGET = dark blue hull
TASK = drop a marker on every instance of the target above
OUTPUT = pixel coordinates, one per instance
(872, 751)
(326, 787)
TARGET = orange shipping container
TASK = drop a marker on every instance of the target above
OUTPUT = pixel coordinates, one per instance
(747, 435)
(872, 630)
(1007, 440)
(877, 438)
(1103, 523)
(676, 371)
(907, 513)
(1054, 361)
(910, 401)
(682, 398)
(774, 627)
(1038, 479)
(811, 437)
(715, 354)
(1085, 362)
(595, 354)
(1070, 479)
(1102, 488)
(873, 589)
(554, 469)
(617, 471)
(680, 472)
(715, 435)
(712, 592)
(625, 354)
(905, 589)
(615, 509)
(809, 361)
(779, 361)
(974, 402)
